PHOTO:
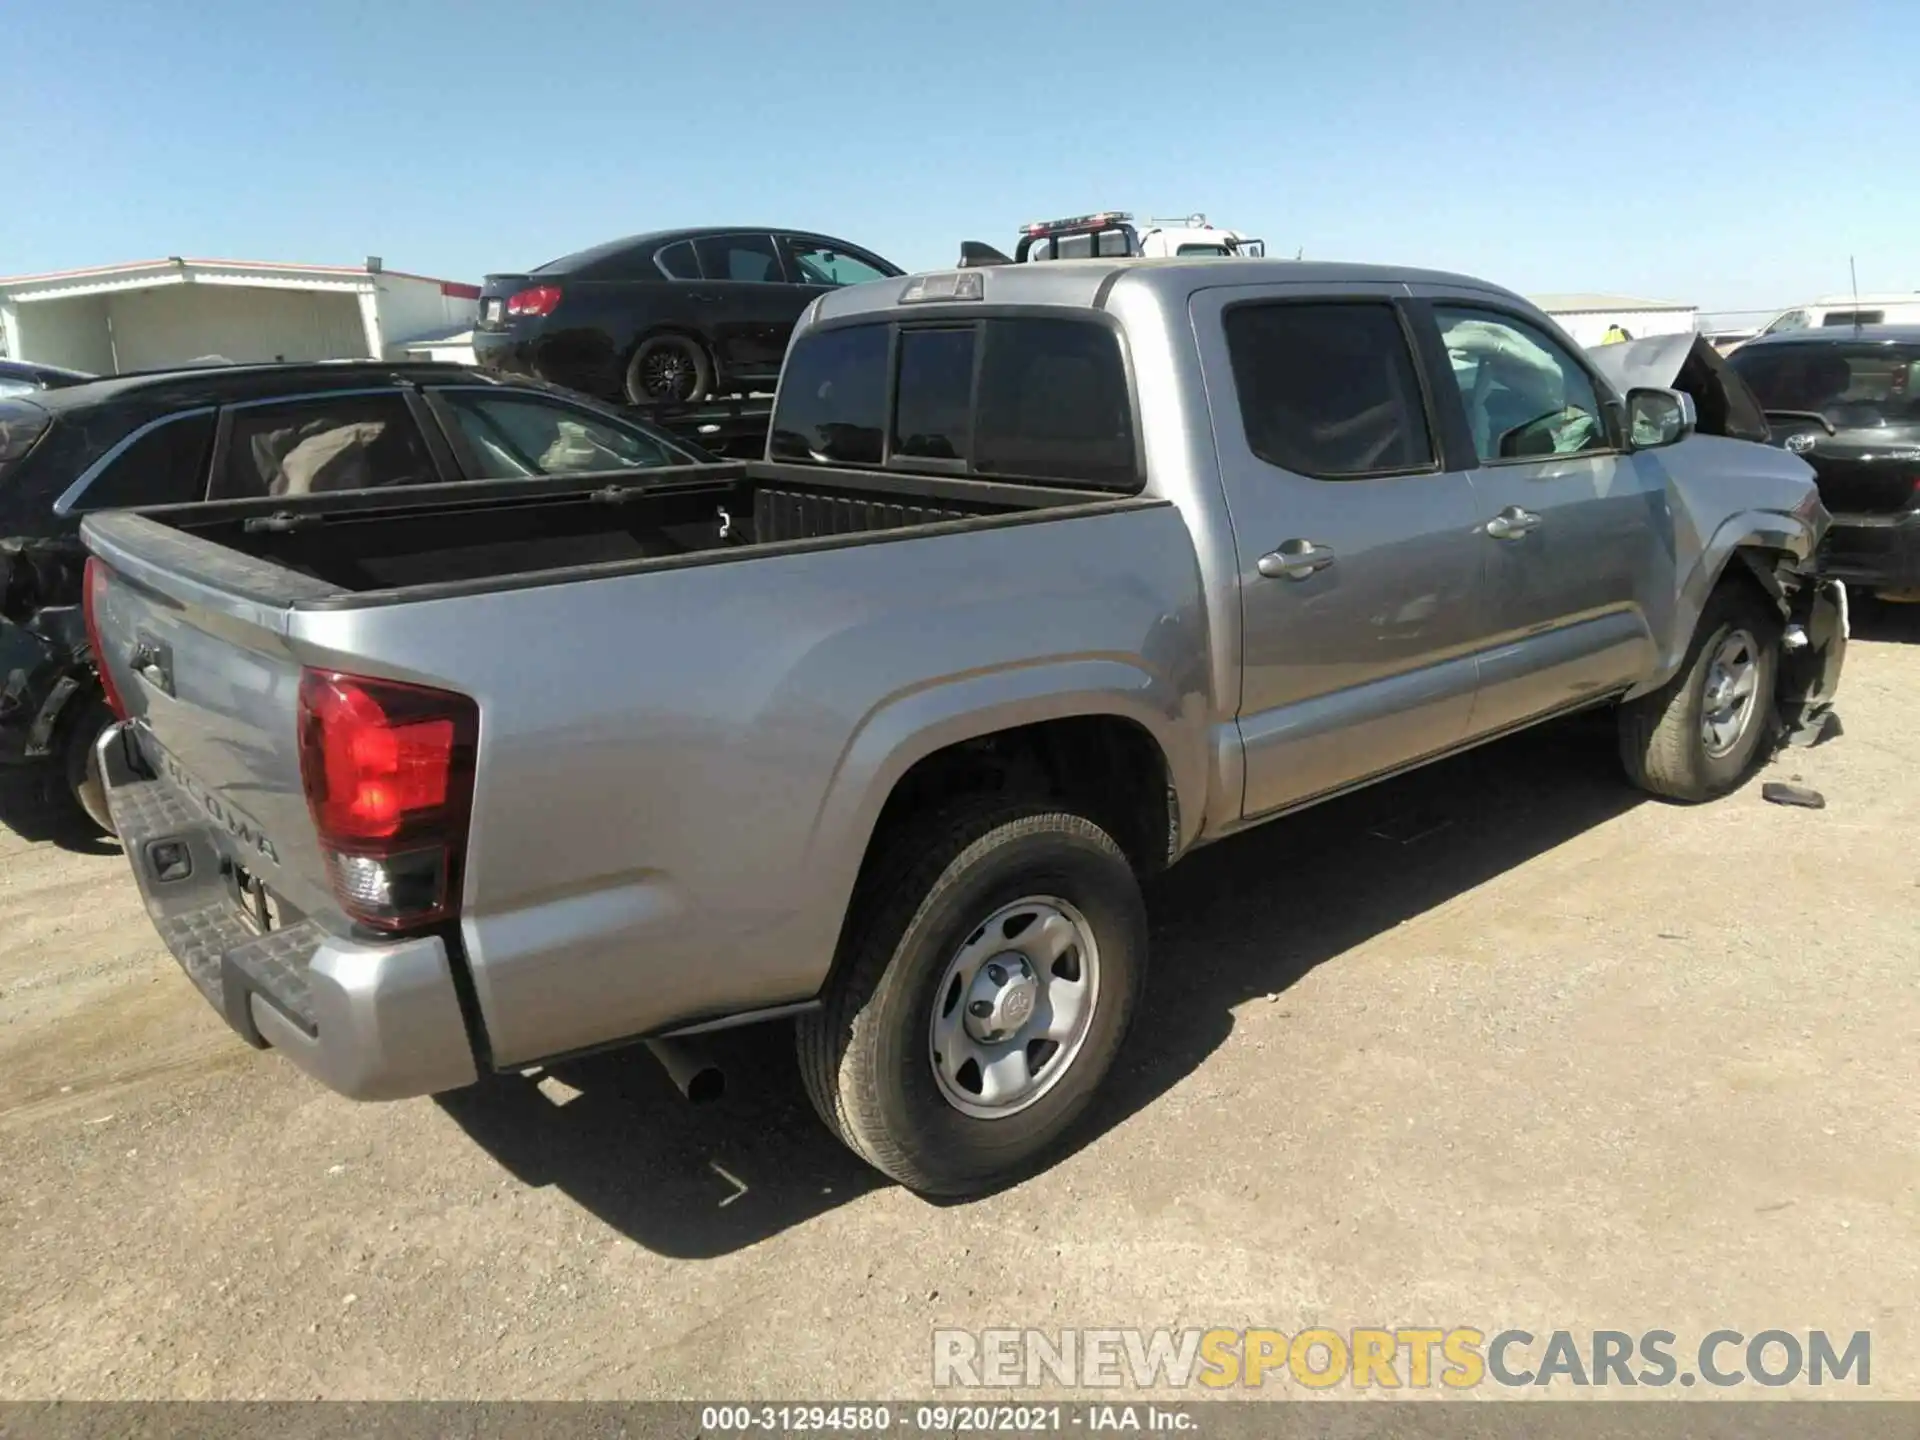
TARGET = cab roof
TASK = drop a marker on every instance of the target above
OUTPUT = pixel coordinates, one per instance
(1086, 283)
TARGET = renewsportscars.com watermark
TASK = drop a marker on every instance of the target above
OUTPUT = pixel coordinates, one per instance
(1403, 1358)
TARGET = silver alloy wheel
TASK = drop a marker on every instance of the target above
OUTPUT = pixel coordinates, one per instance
(1732, 694)
(1014, 1007)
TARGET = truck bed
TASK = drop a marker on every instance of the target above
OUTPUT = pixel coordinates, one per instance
(683, 684)
(364, 544)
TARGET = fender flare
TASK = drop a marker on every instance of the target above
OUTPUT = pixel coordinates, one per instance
(1738, 540)
(906, 728)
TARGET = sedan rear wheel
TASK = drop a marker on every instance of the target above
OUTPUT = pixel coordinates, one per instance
(669, 370)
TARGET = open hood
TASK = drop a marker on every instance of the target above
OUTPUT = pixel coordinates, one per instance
(1689, 364)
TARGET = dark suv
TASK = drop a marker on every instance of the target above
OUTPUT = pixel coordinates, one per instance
(228, 432)
(671, 318)
(1847, 401)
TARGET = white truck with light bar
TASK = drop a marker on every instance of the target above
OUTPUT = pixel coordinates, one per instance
(1115, 234)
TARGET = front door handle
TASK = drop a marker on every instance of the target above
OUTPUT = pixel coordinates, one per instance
(1295, 560)
(1512, 523)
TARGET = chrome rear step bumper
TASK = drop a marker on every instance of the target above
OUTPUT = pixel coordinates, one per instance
(373, 1021)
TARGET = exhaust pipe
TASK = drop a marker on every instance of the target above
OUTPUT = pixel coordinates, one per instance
(691, 1068)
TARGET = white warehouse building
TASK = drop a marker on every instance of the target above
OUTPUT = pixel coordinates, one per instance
(1588, 318)
(150, 314)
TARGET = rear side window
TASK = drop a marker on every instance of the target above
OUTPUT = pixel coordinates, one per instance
(1053, 404)
(679, 261)
(1021, 398)
(333, 442)
(1854, 317)
(165, 466)
(748, 258)
(1328, 390)
(513, 437)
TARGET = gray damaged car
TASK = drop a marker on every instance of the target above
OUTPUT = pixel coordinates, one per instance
(1051, 575)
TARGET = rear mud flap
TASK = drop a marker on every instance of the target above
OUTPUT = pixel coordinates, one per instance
(1811, 663)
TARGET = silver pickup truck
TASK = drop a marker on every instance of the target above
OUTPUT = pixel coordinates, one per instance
(1051, 574)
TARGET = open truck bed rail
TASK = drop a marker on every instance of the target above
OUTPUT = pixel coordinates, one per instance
(428, 542)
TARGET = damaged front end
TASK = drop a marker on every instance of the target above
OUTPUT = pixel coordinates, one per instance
(1736, 500)
(1813, 652)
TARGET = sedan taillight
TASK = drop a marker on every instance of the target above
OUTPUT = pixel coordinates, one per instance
(540, 300)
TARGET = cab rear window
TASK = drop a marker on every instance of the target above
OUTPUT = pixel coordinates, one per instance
(1038, 399)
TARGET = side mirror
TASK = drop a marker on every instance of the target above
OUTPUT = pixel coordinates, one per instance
(1659, 417)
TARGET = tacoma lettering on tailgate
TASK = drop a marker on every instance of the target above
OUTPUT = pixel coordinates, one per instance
(244, 829)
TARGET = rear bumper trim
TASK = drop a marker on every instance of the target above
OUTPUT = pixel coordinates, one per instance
(371, 1021)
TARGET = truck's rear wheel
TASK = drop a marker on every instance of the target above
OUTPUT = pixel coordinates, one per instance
(984, 989)
(1697, 736)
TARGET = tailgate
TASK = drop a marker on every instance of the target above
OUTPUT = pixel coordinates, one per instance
(206, 676)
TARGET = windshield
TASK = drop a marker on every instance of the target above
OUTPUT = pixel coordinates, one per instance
(1852, 386)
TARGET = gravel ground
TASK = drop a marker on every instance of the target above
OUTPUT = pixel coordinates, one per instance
(1497, 1045)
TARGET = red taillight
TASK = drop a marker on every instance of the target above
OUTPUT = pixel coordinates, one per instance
(540, 300)
(92, 587)
(388, 772)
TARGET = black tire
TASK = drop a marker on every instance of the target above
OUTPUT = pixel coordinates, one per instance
(84, 795)
(1661, 734)
(681, 356)
(865, 1055)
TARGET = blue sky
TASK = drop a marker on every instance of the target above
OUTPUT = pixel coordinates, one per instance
(1710, 152)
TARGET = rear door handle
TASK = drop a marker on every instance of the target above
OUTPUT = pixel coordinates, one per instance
(1512, 523)
(706, 295)
(1295, 560)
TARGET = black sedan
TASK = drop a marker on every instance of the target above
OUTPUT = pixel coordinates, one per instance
(1847, 400)
(227, 432)
(671, 318)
